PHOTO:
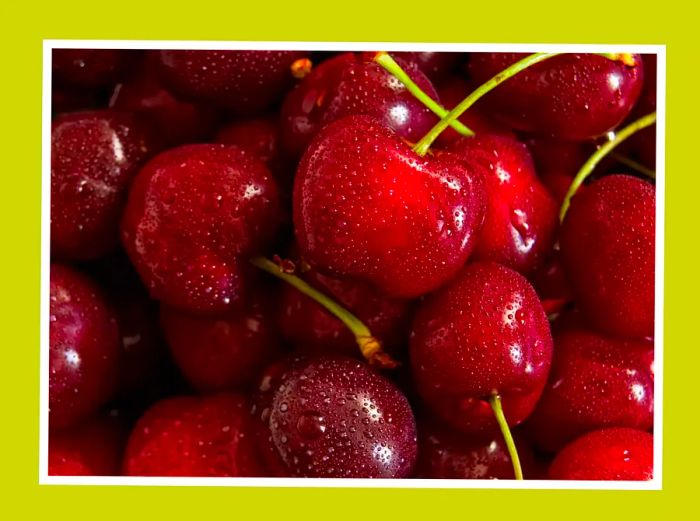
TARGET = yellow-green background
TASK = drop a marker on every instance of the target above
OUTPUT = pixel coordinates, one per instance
(614, 21)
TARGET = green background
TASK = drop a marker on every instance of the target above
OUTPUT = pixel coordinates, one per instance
(24, 28)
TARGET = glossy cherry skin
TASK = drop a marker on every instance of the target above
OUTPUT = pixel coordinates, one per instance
(607, 246)
(245, 82)
(485, 331)
(92, 448)
(521, 217)
(435, 65)
(595, 382)
(367, 207)
(84, 347)
(208, 436)
(311, 329)
(352, 84)
(91, 68)
(174, 122)
(615, 454)
(224, 352)
(94, 158)
(334, 417)
(570, 96)
(444, 453)
(194, 216)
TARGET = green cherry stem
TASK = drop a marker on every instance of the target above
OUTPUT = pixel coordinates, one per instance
(389, 64)
(634, 165)
(421, 148)
(370, 347)
(600, 153)
(497, 407)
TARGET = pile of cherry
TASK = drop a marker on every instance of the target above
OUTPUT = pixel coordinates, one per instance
(286, 264)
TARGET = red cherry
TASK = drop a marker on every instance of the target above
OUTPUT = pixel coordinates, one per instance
(485, 331)
(595, 382)
(334, 417)
(194, 215)
(607, 246)
(448, 454)
(643, 144)
(435, 65)
(569, 97)
(245, 82)
(220, 352)
(350, 84)
(619, 454)
(90, 67)
(93, 448)
(521, 218)
(367, 207)
(310, 328)
(557, 163)
(94, 158)
(84, 349)
(174, 122)
(207, 436)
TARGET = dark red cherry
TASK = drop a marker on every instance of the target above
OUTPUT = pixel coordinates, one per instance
(570, 96)
(367, 207)
(484, 331)
(91, 68)
(195, 213)
(310, 328)
(94, 158)
(552, 285)
(245, 82)
(217, 353)
(607, 246)
(209, 436)
(619, 454)
(70, 99)
(435, 65)
(595, 382)
(557, 163)
(84, 348)
(642, 145)
(173, 122)
(334, 417)
(352, 84)
(92, 448)
(444, 453)
(521, 217)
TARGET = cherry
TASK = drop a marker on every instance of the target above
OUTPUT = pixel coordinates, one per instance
(551, 284)
(435, 65)
(521, 218)
(569, 96)
(351, 84)
(643, 144)
(484, 332)
(94, 157)
(92, 448)
(444, 453)
(217, 353)
(194, 214)
(557, 162)
(367, 207)
(208, 436)
(607, 247)
(311, 328)
(90, 68)
(84, 350)
(620, 454)
(174, 121)
(69, 99)
(245, 82)
(334, 417)
(595, 382)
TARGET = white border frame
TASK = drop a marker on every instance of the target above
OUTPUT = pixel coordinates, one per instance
(654, 484)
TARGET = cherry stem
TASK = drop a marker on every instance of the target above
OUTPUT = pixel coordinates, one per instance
(387, 62)
(421, 148)
(600, 153)
(497, 407)
(634, 165)
(370, 347)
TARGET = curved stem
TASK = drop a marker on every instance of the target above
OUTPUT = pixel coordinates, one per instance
(369, 346)
(389, 64)
(634, 165)
(421, 148)
(495, 402)
(599, 154)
